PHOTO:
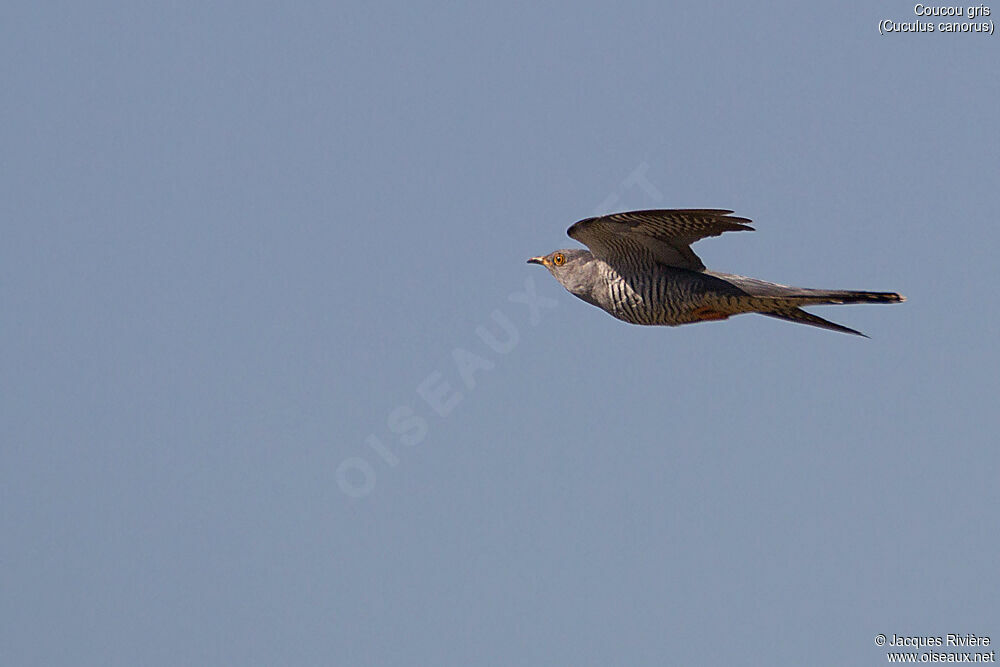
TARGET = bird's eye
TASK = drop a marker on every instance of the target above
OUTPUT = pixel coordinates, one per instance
(558, 259)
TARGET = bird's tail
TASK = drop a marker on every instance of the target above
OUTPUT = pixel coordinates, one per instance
(794, 297)
(818, 297)
(785, 303)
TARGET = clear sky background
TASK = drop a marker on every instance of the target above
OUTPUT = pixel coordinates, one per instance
(238, 238)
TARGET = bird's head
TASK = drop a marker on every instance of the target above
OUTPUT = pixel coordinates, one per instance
(564, 265)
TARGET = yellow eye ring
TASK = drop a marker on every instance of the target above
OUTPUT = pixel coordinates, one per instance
(558, 259)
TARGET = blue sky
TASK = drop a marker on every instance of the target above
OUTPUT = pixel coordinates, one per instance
(246, 243)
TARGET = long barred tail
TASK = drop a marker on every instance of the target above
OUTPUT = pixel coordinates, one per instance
(785, 302)
(790, 306)
(816, 297)
(789, 310)
(793, 297)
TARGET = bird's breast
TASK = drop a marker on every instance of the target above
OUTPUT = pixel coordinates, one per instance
(623, 297)
(654, 295)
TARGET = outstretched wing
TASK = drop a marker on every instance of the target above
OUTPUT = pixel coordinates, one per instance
(666, 233)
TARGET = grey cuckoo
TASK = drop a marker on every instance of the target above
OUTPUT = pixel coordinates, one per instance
(640, 268)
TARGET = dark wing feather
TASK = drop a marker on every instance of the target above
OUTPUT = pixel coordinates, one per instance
(666, 233)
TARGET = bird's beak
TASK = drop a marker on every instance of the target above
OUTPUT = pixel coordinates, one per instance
(537, 260)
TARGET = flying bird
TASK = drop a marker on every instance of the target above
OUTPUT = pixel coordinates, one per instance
(640, 268)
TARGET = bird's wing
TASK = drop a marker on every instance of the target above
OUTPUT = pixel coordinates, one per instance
(667, 233)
